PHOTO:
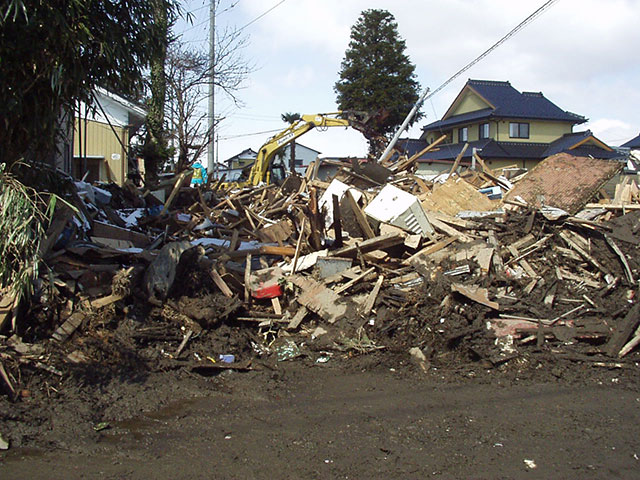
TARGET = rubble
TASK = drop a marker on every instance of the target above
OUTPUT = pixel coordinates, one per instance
(432, 270)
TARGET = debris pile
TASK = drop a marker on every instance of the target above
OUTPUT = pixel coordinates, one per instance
(377, 259)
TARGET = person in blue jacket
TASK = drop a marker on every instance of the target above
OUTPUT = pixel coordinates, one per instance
(199, 174)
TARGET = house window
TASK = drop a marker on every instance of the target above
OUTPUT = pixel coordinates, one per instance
(463, 134)
(299, 163)
(518, 130)
(483, 130)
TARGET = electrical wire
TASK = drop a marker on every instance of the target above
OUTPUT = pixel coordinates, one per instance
(262, 15)
(229, 137)
(515, 30)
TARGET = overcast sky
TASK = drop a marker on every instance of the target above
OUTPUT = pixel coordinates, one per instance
(582, 54)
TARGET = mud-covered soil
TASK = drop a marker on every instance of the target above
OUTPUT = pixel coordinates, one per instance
(368, 416)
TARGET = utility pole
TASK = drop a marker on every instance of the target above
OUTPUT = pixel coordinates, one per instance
(212, 56)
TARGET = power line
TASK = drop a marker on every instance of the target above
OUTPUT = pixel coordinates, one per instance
(515, 30)
(262, 15)
(229, 137)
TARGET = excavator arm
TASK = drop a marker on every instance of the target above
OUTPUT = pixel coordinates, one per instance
(260, 170)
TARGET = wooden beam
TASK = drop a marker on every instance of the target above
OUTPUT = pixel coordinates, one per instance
(352, 282)
(371, 299)
(454, 167)
(376, 243)
(361, 218)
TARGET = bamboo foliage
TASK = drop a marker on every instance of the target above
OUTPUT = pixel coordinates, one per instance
(24, 218)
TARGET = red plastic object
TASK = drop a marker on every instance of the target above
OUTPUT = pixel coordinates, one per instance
(271, 291)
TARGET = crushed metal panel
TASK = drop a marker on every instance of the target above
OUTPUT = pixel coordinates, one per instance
(564, 181)
(402, 209)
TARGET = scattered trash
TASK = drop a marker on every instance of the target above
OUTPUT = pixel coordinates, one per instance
(101, 426)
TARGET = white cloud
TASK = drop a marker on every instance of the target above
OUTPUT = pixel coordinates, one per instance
(580, 53)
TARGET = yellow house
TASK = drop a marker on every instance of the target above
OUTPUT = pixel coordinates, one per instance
(506, 128)
(102, 135)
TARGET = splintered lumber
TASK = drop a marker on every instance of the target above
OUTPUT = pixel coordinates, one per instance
(104, 230)
(277, 308)
(623, 331)
(296, 255)
(376, 243)
(371, 298)
(582, 252)
(633, 343)
(298, 318)
(185, 340)
(355, 280)
(65, 330)
(405, 164)
(613, 206)
(176, 188)
(483, 257)
(361, 218)
(454, 167)
(220, 283)
(337, 220)
(447, 229)
(6, 379)
(622, 258)
(477, 294)
(322, 300)
(105, 301)
(262, 250)
(426, 251)
(247, 279)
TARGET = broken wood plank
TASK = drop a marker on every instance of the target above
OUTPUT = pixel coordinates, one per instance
(633, 343)
(483, 257)
(447, 229)
(454, 167)
(624, 329)
(337, 221)
(64, 331)
(7, 380)
(613, 206)
(247, 279)
(176, 188)
(355, 280)
(376, 243)
(104, 301)
(104, 230)
(296, 255)
(361, 218)
(277, 308)
(573, 244)
(428, 250)
(622, 258)
(219, 281)
(298, 318)
(371, 299)
(477, 294)
(322, 300)
(183, 344)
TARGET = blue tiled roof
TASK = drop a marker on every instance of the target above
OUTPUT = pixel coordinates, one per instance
(509, 103)
(633, 143)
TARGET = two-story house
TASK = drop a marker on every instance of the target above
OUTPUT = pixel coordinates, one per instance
(505, 127)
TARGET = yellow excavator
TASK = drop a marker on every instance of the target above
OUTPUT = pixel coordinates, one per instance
(264, 171)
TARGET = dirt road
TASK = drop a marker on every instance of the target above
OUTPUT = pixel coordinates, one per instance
(364, 419)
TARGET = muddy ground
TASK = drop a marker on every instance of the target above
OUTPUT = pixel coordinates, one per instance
(364, 416)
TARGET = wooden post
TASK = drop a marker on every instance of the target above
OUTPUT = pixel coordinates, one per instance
(337, 225)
